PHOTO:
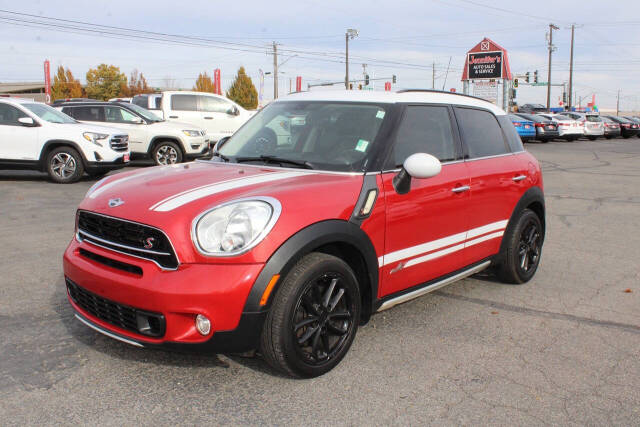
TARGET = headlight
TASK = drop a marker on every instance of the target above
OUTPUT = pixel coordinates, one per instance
(192, 132)
(235, 227)
(95, 137)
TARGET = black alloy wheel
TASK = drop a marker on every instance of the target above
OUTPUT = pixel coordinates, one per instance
(521, 249)
(322, 319)
(314, 317)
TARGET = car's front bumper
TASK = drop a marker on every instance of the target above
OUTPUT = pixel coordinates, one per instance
(121, 161)
(217, 291)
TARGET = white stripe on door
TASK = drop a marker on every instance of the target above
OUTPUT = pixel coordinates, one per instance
(434, 245)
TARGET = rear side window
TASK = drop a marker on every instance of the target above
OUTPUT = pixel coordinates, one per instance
(515, 143)
(481, 132)
(184, 103)
(425, 129)
(89, 114)
(140, 101)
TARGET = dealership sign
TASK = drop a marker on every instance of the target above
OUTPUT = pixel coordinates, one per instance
(485, 61)
(484, 65)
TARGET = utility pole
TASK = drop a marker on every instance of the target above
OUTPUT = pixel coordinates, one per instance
(618, 104)
(551, 49)
(275, 70)
(433, 76)
(350, 34)
(570, 103)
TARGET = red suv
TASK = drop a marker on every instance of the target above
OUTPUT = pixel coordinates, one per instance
(321, 210)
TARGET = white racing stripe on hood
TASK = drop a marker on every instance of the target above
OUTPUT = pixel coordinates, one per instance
(181, 199)
(119, 181)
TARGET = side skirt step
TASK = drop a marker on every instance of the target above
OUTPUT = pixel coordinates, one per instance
(432, 287)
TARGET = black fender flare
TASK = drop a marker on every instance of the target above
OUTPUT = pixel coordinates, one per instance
(45, 149)
(532, 195)
(171, 138)
(306, 241)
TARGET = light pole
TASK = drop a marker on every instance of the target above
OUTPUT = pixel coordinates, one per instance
(551, 49)
(350, 34)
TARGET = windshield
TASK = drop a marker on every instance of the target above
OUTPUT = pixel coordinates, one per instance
(334, 136)
(592, 118)
(148, 115)
(49, 114)
(561, 117)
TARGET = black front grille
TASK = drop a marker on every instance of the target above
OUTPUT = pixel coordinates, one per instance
(127, 237)
(122, 316)
(119, 142)
(133, 269)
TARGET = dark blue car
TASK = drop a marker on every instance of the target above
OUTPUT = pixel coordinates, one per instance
(526, 128)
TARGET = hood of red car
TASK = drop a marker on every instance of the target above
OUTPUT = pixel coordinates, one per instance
(171, 197)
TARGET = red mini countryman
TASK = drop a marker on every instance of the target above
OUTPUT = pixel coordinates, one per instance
(321, 210)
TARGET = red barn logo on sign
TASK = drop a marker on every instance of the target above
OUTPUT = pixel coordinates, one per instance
(487, 60)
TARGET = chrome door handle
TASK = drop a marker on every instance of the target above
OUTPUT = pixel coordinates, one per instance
(461, 189)
(519, 178)
(208, 118)
(173, 117)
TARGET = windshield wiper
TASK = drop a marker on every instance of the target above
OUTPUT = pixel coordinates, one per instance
(274, 159)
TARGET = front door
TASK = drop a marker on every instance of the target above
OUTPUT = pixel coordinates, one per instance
(138, 132)
(218, 115)
(17, 141)
(425, 228)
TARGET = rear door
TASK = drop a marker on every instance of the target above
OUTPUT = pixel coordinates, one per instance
(184, 108)
(425, 228)
(496, 175)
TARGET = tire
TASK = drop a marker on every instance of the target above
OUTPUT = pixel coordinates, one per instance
(64, 165)
(592, 138)
(522, 249)
(166, 153)
(609, 136)
(314, 280)
(544, 140)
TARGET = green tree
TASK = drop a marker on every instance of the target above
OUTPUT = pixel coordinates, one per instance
(243, 91)
(137, 85)
(105, 81)
(204, 83)
(65, 85)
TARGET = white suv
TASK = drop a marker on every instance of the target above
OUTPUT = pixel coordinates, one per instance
(218, 115)
(149, 136)
(36, 136)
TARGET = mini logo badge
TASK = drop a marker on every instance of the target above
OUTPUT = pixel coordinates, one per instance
(148, 242)
(115, 202)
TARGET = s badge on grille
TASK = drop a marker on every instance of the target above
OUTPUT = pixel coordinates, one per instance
(115, 202)
(148, 242)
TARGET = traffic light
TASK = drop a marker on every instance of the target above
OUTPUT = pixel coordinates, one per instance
(526, 79)
(366, 79)
(360, 86)
(350, 86)
(535, 76)
(513, 93)
(564, 97)
(393, 78)
(515, 83)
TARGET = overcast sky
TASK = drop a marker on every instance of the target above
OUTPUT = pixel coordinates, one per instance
(409, 35)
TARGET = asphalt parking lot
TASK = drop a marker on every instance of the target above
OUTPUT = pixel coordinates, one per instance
(562, 349)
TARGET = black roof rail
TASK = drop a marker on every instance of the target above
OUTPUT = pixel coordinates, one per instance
(439, 91)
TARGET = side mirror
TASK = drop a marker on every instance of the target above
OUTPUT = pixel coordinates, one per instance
(233, 111)
(137, 120)
(27, 121)
(418, 165)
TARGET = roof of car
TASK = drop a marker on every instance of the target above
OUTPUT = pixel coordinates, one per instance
(20, 101)
(414, 95)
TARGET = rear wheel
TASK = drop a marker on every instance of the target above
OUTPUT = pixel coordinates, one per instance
(592, 138)
(167, 153)
(521, 255)
(314, 317)
(64, 165)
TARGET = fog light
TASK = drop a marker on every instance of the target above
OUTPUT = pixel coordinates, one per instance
(203, 325)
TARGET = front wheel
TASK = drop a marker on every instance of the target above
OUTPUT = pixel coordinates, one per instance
(167, 153)
(64, 165)
(314, 317)
(521, 256)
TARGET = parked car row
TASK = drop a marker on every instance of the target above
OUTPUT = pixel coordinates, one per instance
(78, 135)
(571, 125)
